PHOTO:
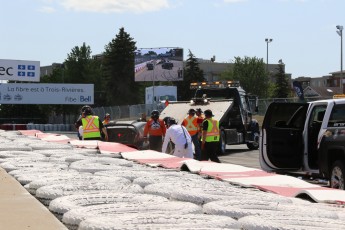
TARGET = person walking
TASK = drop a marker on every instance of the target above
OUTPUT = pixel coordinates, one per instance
(190, 122)
(155, 130)
(92, 125)
(106, 119)
(210, 138)
(178, 135)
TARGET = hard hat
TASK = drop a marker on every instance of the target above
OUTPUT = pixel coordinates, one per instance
(155, 114)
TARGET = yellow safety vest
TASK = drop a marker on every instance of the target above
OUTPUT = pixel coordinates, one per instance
(91, 127)
(191, 126)
(212, 134)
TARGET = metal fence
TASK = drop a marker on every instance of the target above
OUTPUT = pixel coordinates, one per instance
(132, 112)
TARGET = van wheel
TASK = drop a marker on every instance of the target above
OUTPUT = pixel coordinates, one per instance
(337, 175)
(222, 143)
(254, 145)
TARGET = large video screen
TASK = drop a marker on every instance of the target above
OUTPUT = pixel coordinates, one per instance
(159, 64)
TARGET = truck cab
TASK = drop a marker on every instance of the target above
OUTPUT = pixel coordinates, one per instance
(308, 138)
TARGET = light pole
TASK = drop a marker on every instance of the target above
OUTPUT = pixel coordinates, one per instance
(340, 32)
(267, 40)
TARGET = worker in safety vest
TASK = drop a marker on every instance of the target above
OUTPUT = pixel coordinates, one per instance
(92, 125)
(210, 138)
(155, 130)
(190, 122)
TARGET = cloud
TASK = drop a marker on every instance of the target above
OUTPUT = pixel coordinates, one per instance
(108, 6)
(47, 9)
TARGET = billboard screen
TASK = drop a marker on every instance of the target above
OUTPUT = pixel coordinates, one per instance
(159, 64)
(18, 70)
(26, 93)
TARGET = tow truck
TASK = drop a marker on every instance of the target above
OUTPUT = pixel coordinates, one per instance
(231, 106)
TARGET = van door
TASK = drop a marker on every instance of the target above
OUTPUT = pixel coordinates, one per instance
(281, 142)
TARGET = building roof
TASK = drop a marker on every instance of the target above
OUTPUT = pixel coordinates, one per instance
(322, 92)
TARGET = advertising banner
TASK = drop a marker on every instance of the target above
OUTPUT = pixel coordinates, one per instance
(66, 94)
(18, 70)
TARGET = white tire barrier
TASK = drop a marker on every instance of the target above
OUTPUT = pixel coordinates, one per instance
(52, 152)
(165, 178)
(26, 179)
(9, 166)
(209, 187)
(64, 204)
(73, 178)
(9, 147)
(10, 154)
(159, 221)
(100, 164)
(73, 217)
(47, 193)
(205, 195)
(289, 222)
(247, 207)
(49, 145)
(27, 171)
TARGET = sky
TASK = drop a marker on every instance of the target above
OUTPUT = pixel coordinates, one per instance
(303, 31)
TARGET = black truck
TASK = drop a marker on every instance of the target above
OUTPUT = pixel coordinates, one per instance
(231, 106)
(307, 138)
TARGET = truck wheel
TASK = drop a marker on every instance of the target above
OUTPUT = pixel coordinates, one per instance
(337, 175)
(222, 143)
(255, 144)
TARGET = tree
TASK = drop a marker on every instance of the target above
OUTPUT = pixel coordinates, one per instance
(192, 73)
(118, 70)
(252, 75)
(282, 88)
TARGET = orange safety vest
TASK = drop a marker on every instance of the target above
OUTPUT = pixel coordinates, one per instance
(91, 127)
(191, 125)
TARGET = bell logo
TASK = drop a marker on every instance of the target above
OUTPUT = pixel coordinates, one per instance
(85, 99)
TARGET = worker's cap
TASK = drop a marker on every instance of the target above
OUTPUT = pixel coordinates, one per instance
(208, 113)
(191, 111)
(107, 115)
(86, 110)
(172, 121)
(199, 110)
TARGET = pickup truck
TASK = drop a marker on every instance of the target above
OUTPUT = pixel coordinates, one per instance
(308, 138)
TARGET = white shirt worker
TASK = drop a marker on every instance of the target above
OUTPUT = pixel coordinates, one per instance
(175, 134)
